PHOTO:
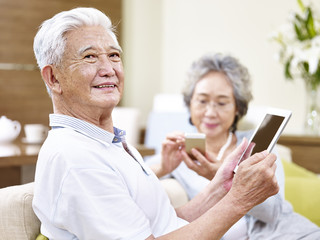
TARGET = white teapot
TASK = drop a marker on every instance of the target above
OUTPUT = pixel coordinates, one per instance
(9, 130)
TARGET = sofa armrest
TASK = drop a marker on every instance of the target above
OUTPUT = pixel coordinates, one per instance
(175, 191)
(17, 219)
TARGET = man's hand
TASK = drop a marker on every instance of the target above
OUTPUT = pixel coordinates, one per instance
(254, 182)
(255, 179)
(225, 174)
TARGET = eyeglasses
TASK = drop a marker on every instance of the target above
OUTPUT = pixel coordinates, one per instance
(221, 106)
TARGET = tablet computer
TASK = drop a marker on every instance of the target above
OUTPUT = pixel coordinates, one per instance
(268, 131)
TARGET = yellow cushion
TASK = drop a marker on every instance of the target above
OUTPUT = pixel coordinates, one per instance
(302, 190)
(292, 169)
(41, 237)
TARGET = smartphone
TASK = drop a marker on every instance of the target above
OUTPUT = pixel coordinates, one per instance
(195, 140)
(268, 131)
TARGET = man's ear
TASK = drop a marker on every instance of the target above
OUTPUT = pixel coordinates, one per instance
(49, 76)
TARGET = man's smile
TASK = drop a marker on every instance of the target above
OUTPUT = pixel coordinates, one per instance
(106, 86)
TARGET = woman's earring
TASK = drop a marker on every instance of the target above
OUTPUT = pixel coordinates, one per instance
(233, 127)
(190, 121)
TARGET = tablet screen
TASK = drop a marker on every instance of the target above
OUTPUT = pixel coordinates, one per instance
(266, 132)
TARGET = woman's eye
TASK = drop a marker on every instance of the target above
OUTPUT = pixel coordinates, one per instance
(222, 103)
(202, 101)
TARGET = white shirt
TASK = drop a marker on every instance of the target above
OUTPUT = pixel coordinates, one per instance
(87, 187)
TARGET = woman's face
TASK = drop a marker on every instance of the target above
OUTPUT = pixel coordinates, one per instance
(212, 105)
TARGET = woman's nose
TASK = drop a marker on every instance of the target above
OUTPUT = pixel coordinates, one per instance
(211, 110)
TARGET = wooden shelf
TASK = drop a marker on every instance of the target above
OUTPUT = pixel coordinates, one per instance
(10, 166)
(305, 150)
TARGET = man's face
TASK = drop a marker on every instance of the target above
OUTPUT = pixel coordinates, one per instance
(91, 74)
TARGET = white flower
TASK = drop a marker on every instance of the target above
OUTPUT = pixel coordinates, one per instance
(312, 57)
(315, 42)
(299, 43)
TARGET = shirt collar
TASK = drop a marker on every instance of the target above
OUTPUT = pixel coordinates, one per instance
(59, 120)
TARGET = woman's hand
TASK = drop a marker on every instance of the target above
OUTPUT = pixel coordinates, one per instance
(170, 154)
(206, 166)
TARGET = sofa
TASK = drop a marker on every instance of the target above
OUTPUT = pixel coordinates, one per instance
(17, 219)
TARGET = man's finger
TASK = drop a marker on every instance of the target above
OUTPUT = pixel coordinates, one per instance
(237, 153)
(265, 158)
(248, 151)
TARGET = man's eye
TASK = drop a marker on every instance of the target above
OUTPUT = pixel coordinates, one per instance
(115, 56)
(89, 56)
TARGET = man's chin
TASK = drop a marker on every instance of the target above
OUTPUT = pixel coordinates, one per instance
(112, 100)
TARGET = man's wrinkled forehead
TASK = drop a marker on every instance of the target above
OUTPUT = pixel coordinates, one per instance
(90, 38)
(84, 49)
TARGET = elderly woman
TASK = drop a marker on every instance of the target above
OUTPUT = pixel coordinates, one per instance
(217, 95)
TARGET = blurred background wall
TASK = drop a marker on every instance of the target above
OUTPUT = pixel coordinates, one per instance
(23, 95)
(161, 38)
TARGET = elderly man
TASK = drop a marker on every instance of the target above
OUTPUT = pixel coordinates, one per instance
(89, 183)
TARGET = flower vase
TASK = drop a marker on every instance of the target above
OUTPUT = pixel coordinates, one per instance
(312, 118)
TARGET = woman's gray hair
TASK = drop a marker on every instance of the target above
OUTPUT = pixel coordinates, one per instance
(236, 73)
(49, 42)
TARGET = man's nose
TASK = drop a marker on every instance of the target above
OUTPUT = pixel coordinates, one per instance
(106, 66)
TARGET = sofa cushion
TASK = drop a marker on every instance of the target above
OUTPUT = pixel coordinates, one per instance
(41, 237)
(302, 190)
(17, 219)
(176, 193)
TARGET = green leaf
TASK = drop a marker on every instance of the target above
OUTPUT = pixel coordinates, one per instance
(300, 28)
(287, 72)
(298, 32)
(301, 5)
(305, 66)
(317, 75)
(310, 24)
